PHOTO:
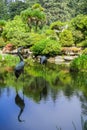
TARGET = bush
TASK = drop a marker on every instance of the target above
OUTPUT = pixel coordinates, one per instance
(79, 63)
(20, 39)
(77, 36)
(47, 47)
(82, 44)
(39, 47)
(36, 37)
(13, 27)
(52, 48)
(2, 43)
(84, 51)
(57, 25)
(66, 38)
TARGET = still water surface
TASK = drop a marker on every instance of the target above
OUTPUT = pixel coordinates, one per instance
(43, 98)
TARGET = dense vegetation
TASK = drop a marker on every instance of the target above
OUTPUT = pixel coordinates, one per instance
(43, 27)
(62, 10)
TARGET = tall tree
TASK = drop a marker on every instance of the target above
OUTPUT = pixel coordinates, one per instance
(34, 17)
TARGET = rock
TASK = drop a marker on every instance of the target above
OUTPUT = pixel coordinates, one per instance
(9, 47)
(69, 58)
(51, 60)
(71, 50)
(59, 59)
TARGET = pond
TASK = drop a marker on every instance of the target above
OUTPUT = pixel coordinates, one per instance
(43, 98)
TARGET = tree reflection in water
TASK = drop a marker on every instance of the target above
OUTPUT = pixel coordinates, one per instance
(37, 89)
(40, 84)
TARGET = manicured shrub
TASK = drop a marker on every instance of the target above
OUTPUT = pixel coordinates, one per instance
(52, 48)
(47, 47)
(39, 47)
(66, 38)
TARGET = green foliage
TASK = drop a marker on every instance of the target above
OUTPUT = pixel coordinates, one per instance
(4, 13)
(39, 47)
(2, 23)
(51, 34)
(84, 51)
(37, 6)
(47, 47)
(15, 31)
(9, 60)
(34, 17)
(79, 28)
(79, 64)
(57, 10)
(16, 7)
(82, 43)
(52, 48)
(36, 37)
(66, 38)
(58, 25)
(80, 22)
(62, 10)
(77, 36)
(20, 39)
(2, 43)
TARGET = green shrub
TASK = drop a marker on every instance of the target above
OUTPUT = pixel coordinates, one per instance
(47, 46)
(12, 28)
(79, 64)
(39, 47)
(77, 36)
(2, 43)
(84, 51)
(82, 44)
(66, 38)
(58, 25)
(79, 27)
(36, 37)
(51, 34)
(20, 39)
(52, 48)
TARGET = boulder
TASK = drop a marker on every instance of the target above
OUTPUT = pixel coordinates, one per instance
(9, 47)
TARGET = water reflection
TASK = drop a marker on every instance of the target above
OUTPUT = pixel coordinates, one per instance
(37, 89)
(47, 93)
(19, 101)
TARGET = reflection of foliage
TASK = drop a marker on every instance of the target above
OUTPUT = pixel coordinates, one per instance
(8, 60)
(36, 89)
(37, 77)
(83, 124)
(56, 78)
